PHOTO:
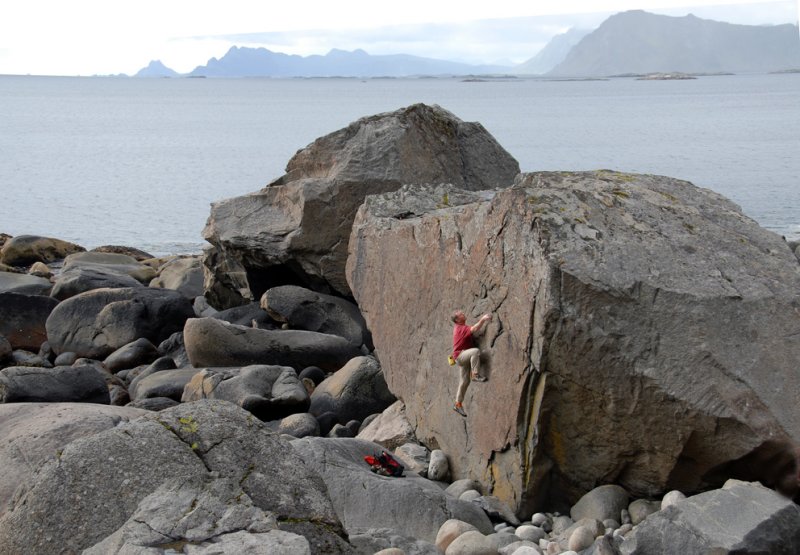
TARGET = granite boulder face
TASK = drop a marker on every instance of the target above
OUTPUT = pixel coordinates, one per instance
(625, 306)
(295, 231)
(98, 482)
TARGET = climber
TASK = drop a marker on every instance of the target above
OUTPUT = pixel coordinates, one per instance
(466, 355)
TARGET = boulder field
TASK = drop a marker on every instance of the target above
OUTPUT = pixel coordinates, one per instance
(641, 364)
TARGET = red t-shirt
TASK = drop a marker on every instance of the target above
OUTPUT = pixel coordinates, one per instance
(462, 339)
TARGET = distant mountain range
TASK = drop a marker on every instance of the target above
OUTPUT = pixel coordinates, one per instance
(640, 42)
(260, 62)
(632, 42)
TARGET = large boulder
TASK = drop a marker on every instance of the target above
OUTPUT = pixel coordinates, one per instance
(11, 282)
(80, 278)
(133, 354)
(268, 392)
(214, 343)
(183, 274)
(24, 250)
(98, 482)
(390, 429)
(354, 392)
(166, 383)
(304, 309)
(411, 505)
(96, 323)
(741, 517)
(296, 229)
(113, 262)
(625, 306)
(133, 252)
(23, 317)
(31, 433)
(82, 383)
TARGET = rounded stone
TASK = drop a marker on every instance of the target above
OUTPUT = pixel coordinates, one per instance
(641, 509)
(66, 359)
(470, 495)
(471, 543)
(315, 373)
(539, 519)
(450, 530)
(299, 425)
(439, 467)
(611, 523)
(530, 532)
(40, 269)
(561, 523)
(526, 550)
(671, 498)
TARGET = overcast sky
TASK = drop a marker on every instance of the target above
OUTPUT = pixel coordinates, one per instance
(88, 37)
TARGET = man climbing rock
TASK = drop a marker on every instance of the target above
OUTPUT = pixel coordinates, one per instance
(466, 355)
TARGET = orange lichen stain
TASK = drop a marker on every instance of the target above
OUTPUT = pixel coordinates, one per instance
(558, 452)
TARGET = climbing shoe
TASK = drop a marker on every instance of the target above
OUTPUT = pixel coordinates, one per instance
(459, 409)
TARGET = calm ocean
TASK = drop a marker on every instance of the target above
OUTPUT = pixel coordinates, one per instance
(137, 161)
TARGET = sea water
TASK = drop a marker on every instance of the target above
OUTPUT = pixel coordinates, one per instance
(138, 161)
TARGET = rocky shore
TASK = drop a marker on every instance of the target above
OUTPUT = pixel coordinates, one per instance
(642, 364)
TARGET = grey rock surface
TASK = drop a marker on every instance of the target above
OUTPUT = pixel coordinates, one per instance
(415, 457)
(215, 343)
(135, 353)
(354, 392)
(5, 348)
(641, 509)
(497, 509)
(267, 392)
(365, 501)
(741, 517)
(114, 262)
(79, 384)
(624, 305)
(79, 278)
(23, 317)
(304, 309)
(601, 503)
(70, 497)
(439, 467)
(182, 274)
(32, 433)
(11, 282)
(460, 486)
(194, 510)
(390, 429)
(153, 403)
(299, 425)
(96, 323)
(296, 229)
(24, 250)
(389, 542)
(250, 315)
(167, 383)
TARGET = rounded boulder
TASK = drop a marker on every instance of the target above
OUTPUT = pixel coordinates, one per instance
(23, 318)
(96, 323)
(24, 250)
(354, 392)
(601, 503)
